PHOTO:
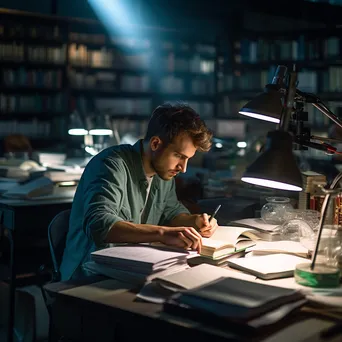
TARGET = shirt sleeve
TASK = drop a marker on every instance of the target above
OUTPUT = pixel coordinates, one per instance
(103, 188)
(173, 206)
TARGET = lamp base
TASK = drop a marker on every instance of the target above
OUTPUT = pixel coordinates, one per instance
(321, 276)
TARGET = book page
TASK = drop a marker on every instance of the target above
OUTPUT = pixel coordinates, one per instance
(197, 276)
(257, 223)
(228, 234)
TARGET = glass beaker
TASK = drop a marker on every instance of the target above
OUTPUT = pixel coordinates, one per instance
(274, 211)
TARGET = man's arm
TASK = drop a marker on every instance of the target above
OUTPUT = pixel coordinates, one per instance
(103, 189)
(184, 219)
(128, 232)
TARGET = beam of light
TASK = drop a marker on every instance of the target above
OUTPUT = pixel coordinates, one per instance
(118, 16)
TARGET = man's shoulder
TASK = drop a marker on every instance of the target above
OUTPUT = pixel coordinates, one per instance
(117, 154)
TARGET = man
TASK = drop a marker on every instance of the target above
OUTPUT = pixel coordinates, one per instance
(127, 193)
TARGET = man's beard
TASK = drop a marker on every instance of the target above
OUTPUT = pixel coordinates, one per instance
(159, 169)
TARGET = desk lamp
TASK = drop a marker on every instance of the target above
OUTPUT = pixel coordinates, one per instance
(76, 126)
(277, 168)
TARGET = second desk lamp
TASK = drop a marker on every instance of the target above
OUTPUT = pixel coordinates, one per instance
(276, 166)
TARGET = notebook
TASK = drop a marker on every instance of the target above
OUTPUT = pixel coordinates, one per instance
(267, 267)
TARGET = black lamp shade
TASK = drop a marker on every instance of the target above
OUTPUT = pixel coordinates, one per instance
(101, 125)
(276, 167)
(76, 125)
(266, 106)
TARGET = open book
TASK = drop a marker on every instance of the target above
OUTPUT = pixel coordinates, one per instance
(227, 240)
(262, 230)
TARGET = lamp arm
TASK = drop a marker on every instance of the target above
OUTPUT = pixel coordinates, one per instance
(324, 210)
(289, 101)
(315, 101)
(328, 113)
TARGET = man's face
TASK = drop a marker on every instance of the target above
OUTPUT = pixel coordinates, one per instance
(170, 160)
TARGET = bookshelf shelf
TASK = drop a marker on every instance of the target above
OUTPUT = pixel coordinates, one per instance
(89, 69)
(108, 92)
(29, 90)
(53, 66)
(29, 115)
(39, 41)
(30, 65)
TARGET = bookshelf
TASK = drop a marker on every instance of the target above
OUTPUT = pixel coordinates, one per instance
(254, 57)
(51, 66)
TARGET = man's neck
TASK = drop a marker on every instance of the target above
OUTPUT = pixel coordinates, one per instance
(146, 160)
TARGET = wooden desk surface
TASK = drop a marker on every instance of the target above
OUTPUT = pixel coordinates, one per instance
(110, 306)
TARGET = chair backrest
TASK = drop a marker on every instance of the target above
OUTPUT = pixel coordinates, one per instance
(57, 233)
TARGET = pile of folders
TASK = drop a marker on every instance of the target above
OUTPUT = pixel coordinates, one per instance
(235, 304)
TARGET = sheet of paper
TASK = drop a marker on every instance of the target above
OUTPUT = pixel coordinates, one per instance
(140, 253)
(228, 233)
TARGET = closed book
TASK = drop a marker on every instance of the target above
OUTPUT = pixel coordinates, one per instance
(220, 262)
(272, 266)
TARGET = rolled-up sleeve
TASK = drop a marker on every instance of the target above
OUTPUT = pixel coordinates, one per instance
(104, 186)
(173, 206)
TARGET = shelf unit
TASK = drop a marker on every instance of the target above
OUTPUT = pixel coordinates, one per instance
(254, 57)
(52, 66)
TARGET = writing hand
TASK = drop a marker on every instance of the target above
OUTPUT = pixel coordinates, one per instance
(206, 226)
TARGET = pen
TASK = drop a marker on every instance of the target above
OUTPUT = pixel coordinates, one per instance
(215, 212)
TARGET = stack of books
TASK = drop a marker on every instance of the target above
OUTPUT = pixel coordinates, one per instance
(136, 263)
(233, 240)
(310, 181)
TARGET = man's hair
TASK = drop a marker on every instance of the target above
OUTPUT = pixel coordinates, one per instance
(170, 120)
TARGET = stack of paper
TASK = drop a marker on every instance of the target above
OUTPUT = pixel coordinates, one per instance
(136, 263)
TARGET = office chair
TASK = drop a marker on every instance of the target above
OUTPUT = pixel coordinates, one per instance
(57, 233)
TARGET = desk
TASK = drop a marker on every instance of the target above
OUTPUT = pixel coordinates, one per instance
(102, 309)
(21, 219)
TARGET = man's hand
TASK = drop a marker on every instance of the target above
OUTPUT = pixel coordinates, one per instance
(206, 227)
(183, 237)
